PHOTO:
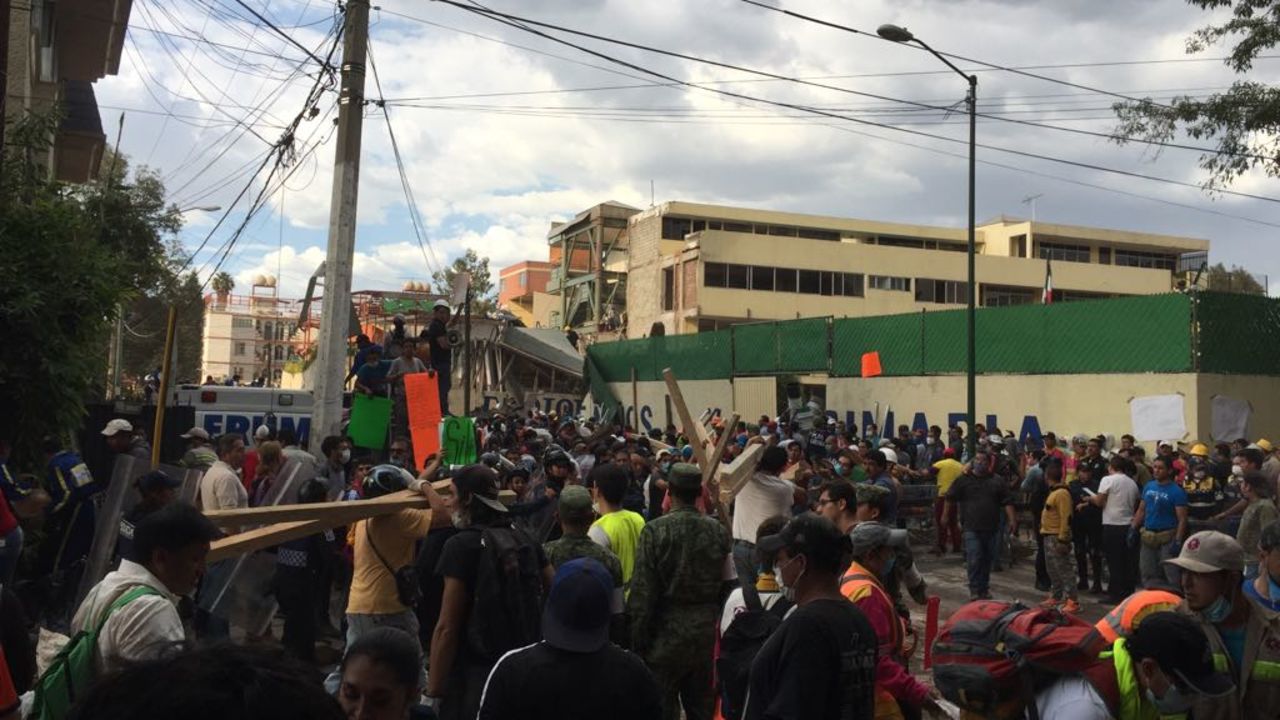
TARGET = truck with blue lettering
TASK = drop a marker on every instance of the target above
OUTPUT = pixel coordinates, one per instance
(220, 409)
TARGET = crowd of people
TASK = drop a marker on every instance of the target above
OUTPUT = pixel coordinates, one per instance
(580, 568)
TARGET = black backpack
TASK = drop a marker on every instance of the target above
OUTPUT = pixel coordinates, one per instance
(506, 612)
(744, 637)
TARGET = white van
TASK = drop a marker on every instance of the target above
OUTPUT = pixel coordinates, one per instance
(221, 409)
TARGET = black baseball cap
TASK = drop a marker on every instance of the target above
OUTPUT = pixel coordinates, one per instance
(810, 535)
(157, 479)
(1180, 647)
(578, 610)
(480, 482)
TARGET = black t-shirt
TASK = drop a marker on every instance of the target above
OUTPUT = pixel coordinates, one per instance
(440, 357)
(541, 681)
(820, 664)
(981, 500)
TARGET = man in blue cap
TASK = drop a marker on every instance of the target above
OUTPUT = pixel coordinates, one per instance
(574, 671)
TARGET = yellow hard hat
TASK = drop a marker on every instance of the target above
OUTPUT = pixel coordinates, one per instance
(1265, 444)
(1200, 450)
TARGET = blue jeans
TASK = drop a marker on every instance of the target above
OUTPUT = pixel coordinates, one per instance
(979, 553)
(744, 560)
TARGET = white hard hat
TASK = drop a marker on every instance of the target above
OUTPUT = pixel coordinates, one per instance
(117, 426)
(262, 433)
(196, 432)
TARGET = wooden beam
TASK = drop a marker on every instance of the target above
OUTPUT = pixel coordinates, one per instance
(341, 510)
(709, 475)
(686, 419)
(263, 537)
(735, 475)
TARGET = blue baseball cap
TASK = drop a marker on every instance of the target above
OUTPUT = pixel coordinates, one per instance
(578, 611)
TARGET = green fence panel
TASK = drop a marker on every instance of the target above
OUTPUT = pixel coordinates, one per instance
(755, 348)
(945, 342)
(614, 360)
(1239, 334)
(702, 356)
(896, 337)
(804, 345)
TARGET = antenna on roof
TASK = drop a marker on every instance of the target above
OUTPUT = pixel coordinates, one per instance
(651, 202)
(1031, 200)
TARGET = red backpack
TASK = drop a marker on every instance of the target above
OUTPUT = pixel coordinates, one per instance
(991, 658)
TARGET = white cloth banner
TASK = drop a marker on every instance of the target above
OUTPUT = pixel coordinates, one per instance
(1230, 418)
(1158, 417)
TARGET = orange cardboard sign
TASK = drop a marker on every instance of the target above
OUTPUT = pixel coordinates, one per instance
(871, 364)
(422, 399)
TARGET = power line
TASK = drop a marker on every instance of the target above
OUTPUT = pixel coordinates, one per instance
(418, 229)
(824, 86)
(323, 63)
(503, 18)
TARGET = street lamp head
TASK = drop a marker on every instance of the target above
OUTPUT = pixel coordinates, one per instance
(895, 33)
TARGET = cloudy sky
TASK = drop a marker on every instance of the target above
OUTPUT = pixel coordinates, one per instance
(502, 131)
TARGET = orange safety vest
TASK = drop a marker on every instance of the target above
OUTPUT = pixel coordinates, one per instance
(856, 583)
(1125, 617)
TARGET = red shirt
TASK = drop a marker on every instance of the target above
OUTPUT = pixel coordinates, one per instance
(249, 470)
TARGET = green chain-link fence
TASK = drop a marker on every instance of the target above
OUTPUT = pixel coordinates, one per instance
(1150, 333)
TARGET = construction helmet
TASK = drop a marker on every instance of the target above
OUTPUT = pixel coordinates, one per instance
(384, 480)
(1199, 450)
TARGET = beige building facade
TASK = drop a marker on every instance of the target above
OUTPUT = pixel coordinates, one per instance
(695, 267)
(253, 336)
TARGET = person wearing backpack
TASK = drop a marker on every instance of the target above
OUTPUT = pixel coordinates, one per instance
(131, 615)
(751, 614)
(617, 530)
(874, 554)
(495, 579)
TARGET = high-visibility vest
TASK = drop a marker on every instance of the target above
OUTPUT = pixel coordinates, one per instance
(1125, 617)
(856, 584)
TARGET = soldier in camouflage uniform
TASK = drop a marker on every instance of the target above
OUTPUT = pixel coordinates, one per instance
(683, 570)
(576, 517)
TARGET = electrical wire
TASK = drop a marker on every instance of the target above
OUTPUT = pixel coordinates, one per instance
(419, 230)
(502, 18)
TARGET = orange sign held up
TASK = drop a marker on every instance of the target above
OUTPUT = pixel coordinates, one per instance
(422, 398)
(871, 364)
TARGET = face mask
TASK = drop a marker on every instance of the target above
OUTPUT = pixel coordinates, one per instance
(1171, 703)
(1218, 611)
(888, 565)
(595, 508)
(460, 520)
(346, 457)
(1237, 471)
(788, 591)
(838, 469)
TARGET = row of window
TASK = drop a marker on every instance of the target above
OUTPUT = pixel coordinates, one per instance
(1107, 256)
(675, 228)
(1005, 295)
(759, 277)
(919, 244)
(886, 282)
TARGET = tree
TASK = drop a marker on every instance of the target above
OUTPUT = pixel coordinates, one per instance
(72, 255)
(1234, 280)
(223, 284)
(1244, 121)
(483, 299)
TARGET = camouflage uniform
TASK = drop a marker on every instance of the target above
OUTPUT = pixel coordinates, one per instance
(674, 604)
(571, 547)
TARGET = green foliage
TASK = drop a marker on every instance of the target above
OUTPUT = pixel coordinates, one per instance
(222, 283)
(1244, 121)
(72, 255)
(1233, 280)
(483, 299)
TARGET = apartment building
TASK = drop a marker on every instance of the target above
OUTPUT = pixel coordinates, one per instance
(696, 267)
(519, 284)
(55, 52)
(252, 336)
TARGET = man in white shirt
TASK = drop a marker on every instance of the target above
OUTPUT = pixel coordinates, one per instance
(169, 548)
(1118, 496)
(220, 489)
(764, 496)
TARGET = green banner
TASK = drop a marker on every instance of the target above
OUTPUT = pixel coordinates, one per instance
(392, 306)
(369, 419)
(458, 440)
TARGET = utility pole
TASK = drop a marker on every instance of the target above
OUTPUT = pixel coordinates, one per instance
(335, 318)
(466, 358)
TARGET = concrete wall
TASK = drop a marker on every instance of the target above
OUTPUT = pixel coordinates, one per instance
(1027, 405)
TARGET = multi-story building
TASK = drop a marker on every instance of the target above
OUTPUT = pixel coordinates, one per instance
(253, 336)
(587, 290)
(55, 52)
(698, 267)
(520, 284)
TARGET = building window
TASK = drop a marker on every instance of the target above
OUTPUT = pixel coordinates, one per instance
(242, 322)
(738, 276)
(853, 285)
(810, 282)
(675, 228)
(782, 230)
(239, 349)
(524, 279)
(1067, 253)
(1104, 256)
(941, 291)
(1003, 295)
(279, 352)
(913, 243)
(715, 275)
(885, 282)
(737, 227)
(1075, 295)
(1135, 258)
(699, 225)
(1019, 246)
(785, 280)
(814, 234)
(832, 283)
(668, 288)
(762, 277)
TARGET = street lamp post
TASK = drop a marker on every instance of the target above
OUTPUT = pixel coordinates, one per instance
(902, 35)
